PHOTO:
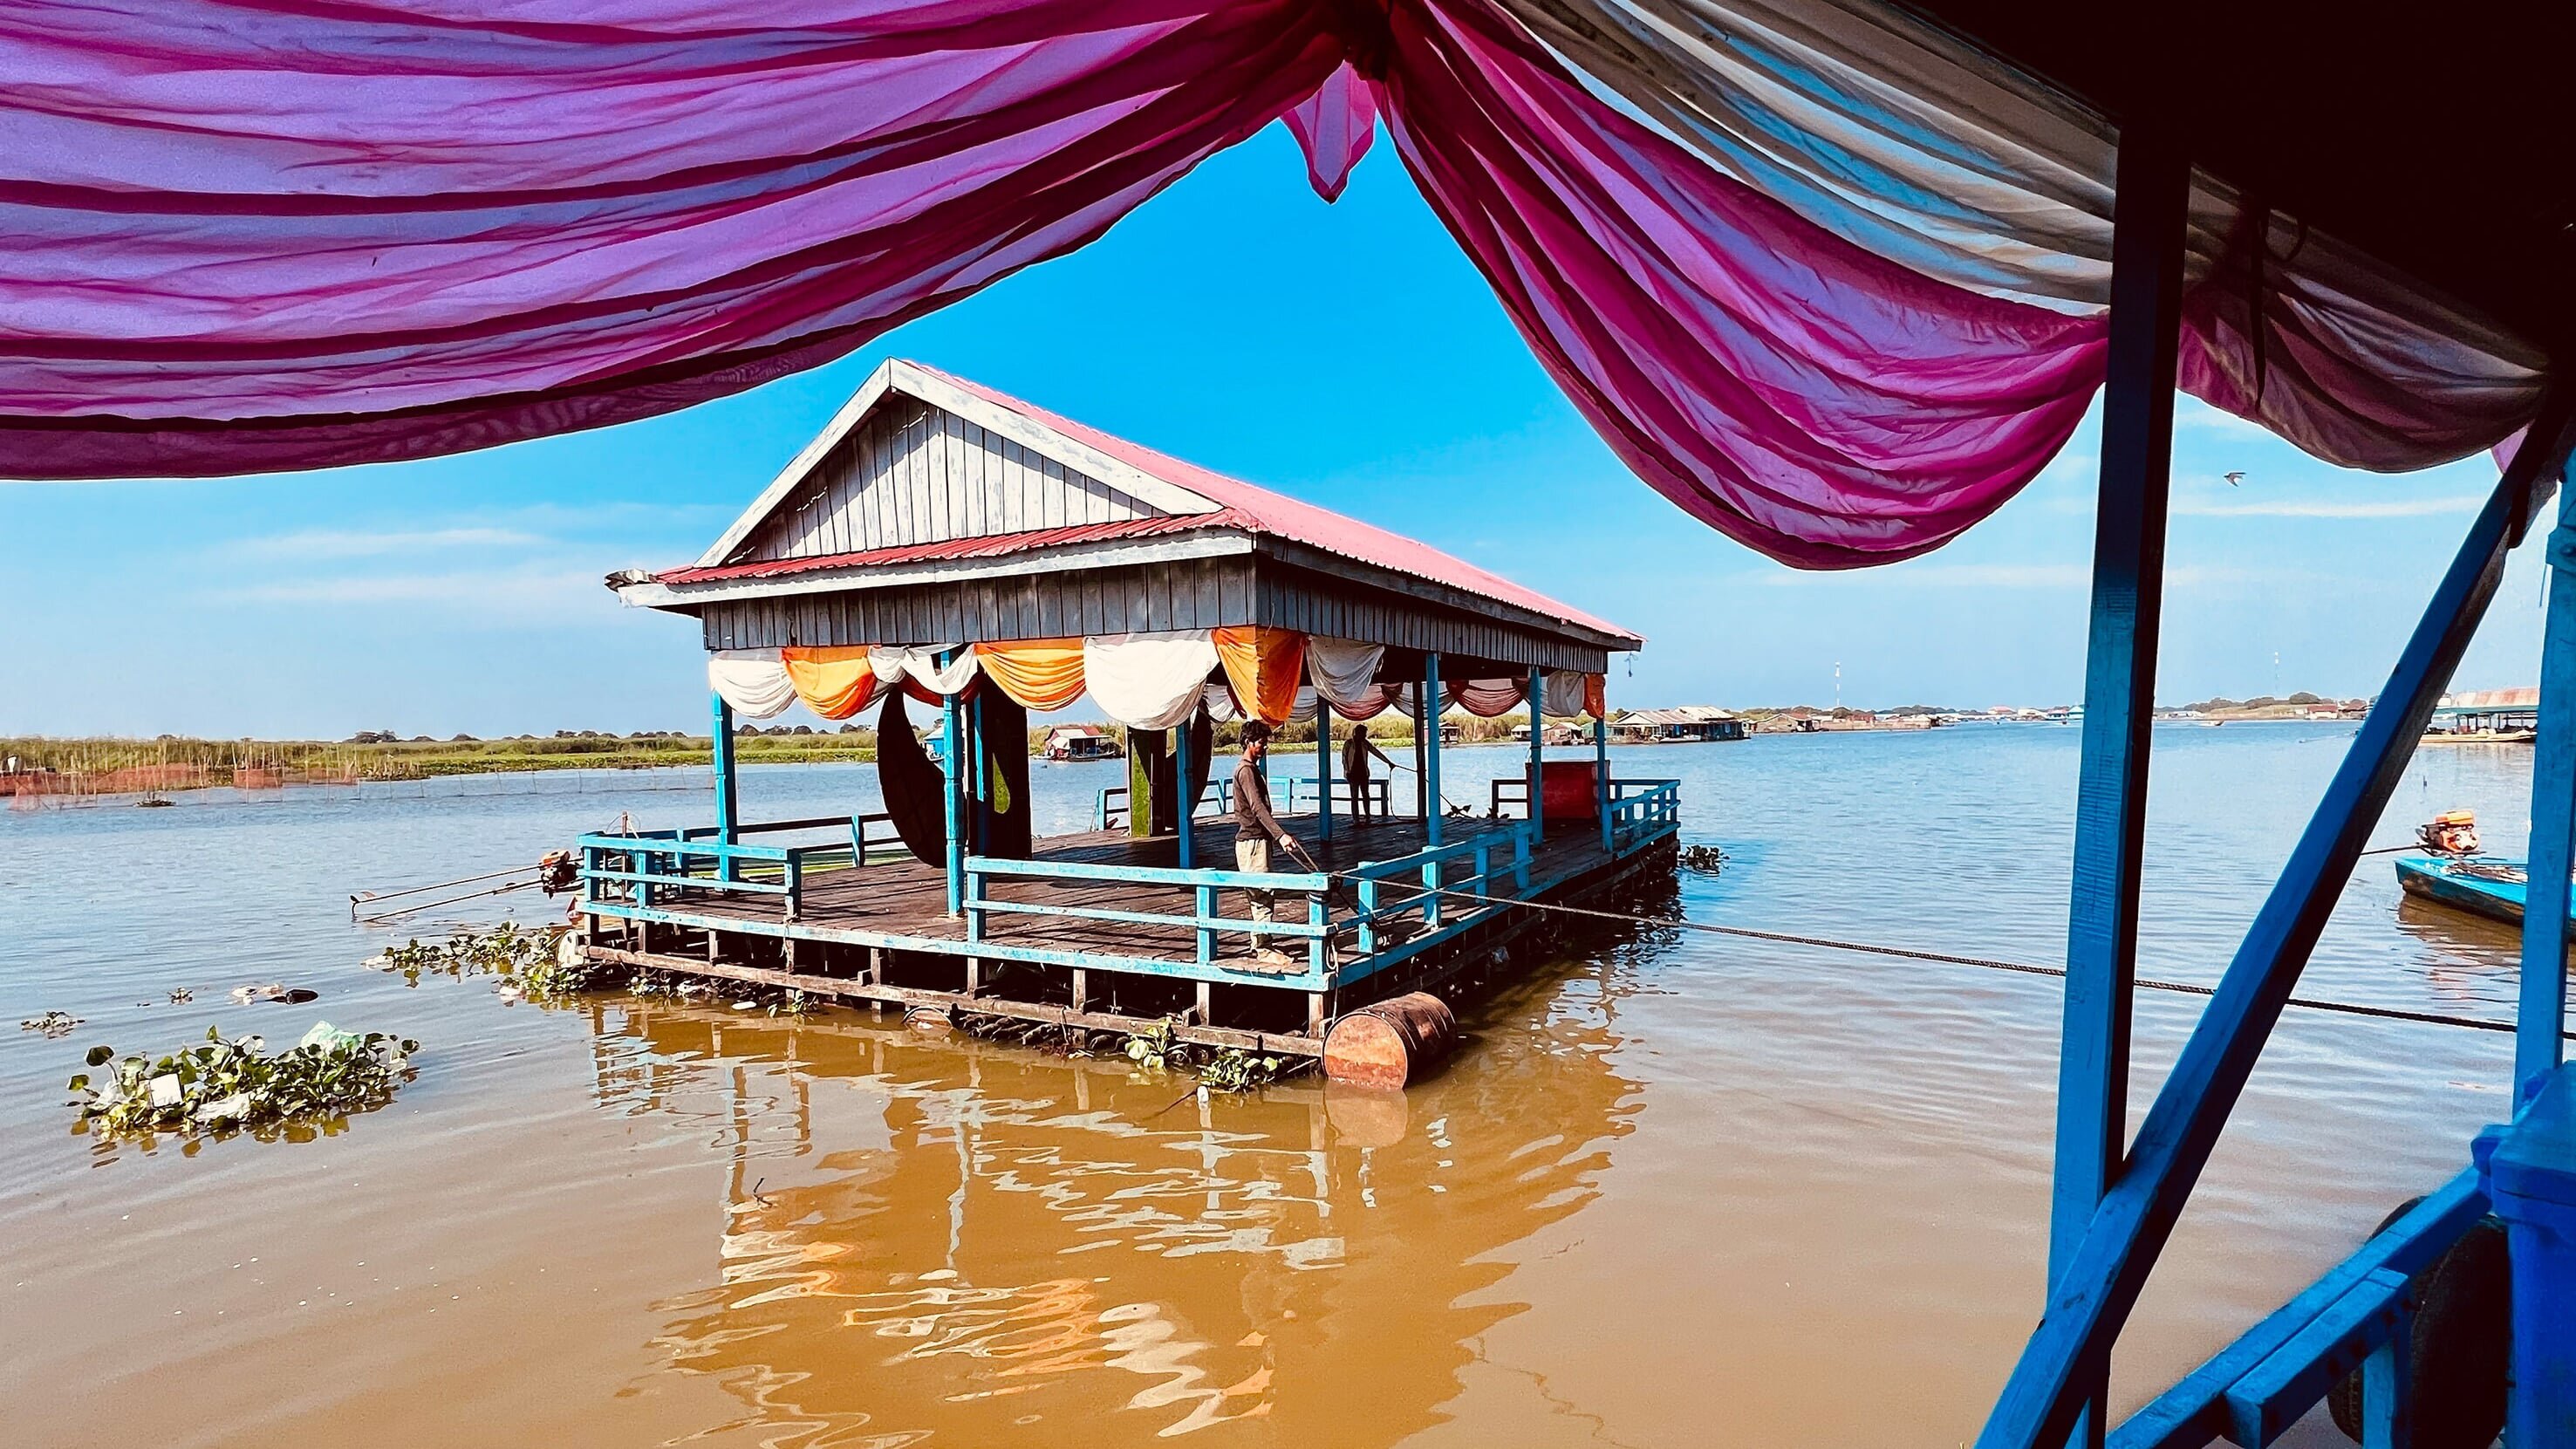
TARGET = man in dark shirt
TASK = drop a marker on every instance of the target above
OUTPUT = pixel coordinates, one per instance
(1256, 829)
(1356, 750)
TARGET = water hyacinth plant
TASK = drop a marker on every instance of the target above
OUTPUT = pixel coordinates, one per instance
(226, 1085)
(534, 961)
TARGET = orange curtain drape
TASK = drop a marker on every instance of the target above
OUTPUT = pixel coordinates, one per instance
(833, 680)
(1041, 674)
(1265, 666)
(1596, 697)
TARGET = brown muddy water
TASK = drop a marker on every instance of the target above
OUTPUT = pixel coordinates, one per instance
(1676, 1190)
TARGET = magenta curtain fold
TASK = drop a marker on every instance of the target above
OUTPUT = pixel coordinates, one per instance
(1780, 384)
(248, 235)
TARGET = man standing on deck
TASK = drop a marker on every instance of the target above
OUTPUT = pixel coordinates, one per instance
(1255, 829)
(1357, 747)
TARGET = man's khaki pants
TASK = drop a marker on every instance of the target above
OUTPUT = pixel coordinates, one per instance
(1252, 857)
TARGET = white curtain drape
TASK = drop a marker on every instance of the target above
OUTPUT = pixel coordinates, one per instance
(1149, 681)
(1564, 693)
(753, 681)
(1344, 671)
(922, 667)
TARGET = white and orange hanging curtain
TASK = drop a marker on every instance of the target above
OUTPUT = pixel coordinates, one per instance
(1040, 674)
(1265, 667)
(1142, 680)
(835, 681)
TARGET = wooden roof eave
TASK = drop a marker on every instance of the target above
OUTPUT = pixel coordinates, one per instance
(1069, 558)
(1338, 566)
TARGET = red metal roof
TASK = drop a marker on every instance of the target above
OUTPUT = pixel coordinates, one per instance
(1241, 506)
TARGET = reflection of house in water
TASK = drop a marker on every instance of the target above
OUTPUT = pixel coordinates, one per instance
(937, 1235)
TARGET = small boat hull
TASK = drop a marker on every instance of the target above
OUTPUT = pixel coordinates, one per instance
(2482, 886)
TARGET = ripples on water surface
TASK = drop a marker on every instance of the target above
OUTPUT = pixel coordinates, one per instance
(1677, 1189)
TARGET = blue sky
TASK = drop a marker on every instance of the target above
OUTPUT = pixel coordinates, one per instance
(1347, 354)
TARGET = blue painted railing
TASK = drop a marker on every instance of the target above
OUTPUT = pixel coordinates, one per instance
(647, 863)
(2256, 1387)
(1419, 887)
(1210, 926)
(1290, 795)
(1391, 910)
(1643, 811)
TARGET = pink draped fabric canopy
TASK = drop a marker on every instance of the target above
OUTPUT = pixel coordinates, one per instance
(249, 235)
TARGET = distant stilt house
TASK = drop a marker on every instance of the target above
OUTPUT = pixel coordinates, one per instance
(943, 548)
(1683, 724)
(1081, 742)
(2500, 714)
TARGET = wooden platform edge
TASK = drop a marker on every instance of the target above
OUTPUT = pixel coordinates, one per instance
(849, 989)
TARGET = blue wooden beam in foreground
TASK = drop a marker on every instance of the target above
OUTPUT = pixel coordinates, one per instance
(2541, 1010)
(2148, 231)
(2091, 1299)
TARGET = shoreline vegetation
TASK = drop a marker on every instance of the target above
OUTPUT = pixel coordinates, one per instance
(37, 765)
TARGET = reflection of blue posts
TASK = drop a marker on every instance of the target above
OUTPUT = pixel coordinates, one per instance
(1538, 744)
(1428, 732)
(728, 814)
(953, 723)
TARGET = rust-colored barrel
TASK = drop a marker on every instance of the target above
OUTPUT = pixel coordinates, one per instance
(1390, 1043)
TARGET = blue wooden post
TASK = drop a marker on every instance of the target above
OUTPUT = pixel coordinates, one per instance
(1181, 801)
(1324, 769)
(1428, 732)
(1538, 747)
(2091, 1298)
(2530, 1175)
(2119, 700)
(2541, 1014)
(728, 808)
(953, 724)
(1601, 781)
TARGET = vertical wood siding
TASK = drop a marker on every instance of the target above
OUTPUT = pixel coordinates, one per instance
(916, 474)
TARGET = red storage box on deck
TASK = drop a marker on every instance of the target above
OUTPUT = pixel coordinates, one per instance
(1568, 789)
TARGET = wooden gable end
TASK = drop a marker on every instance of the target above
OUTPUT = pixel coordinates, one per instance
(912, 473)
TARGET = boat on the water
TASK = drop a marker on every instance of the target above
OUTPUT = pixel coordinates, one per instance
(2482, 884)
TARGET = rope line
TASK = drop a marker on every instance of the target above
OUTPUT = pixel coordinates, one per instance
(2184, 988)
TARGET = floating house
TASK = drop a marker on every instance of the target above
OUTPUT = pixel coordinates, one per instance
(1081, 742)
(943, 548)
(1682, 724)
(2487, 714)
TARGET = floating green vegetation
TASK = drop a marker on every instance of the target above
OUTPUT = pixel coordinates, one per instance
(533, 963)
(1156, 1047)
(232, 1085)
(1219, 1069)
(1232, 1069)
(52, 1023)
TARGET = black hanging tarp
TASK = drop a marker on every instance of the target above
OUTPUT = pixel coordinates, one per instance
(1202, 753)
(916, 792)
(1002, 737)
